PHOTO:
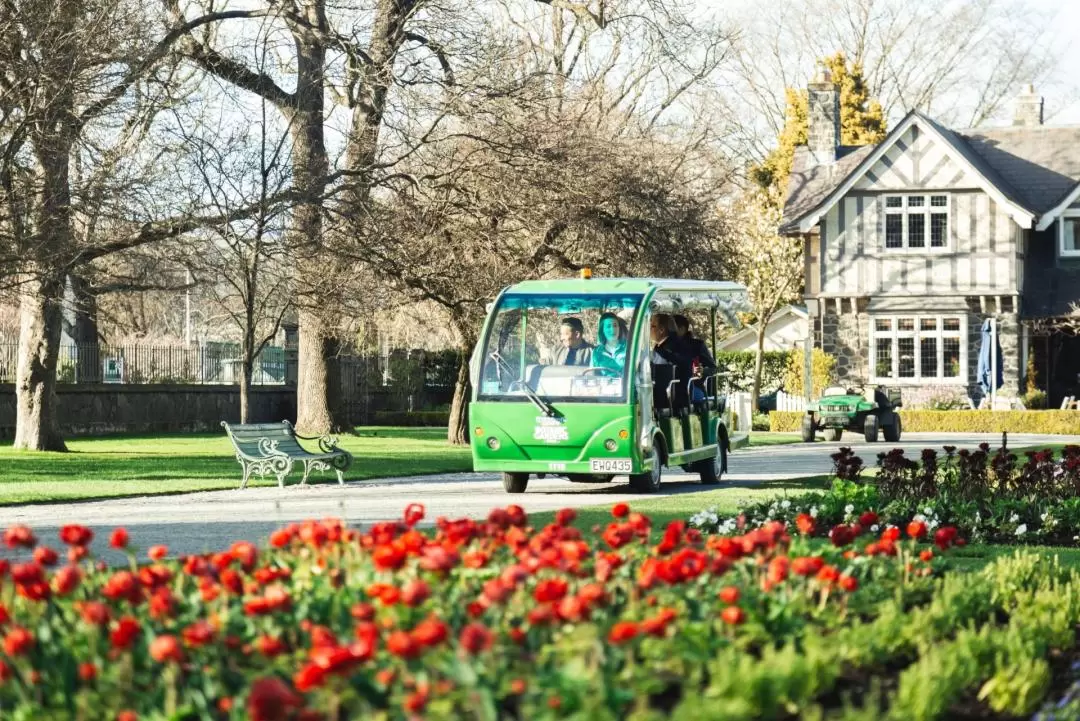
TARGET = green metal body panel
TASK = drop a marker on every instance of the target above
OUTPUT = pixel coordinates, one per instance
(526, 441)
(848, 411)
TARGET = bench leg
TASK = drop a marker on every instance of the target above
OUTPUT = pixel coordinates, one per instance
(307, 472)
(340, 477)
(247, 474)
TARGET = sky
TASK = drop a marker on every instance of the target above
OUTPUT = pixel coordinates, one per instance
(1067, 21)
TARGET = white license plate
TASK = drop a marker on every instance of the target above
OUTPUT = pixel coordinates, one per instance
(610, 465)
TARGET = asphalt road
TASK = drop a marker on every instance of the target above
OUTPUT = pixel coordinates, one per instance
(198, 522)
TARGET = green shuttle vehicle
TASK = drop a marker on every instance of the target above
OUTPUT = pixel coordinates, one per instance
(566, 382)
(859, 411)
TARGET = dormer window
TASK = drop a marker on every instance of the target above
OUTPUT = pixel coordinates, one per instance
(916, 222)
(1069, 234)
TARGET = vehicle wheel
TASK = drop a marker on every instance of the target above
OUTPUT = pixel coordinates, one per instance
(834, 434)
(515, 482)
(870, 429)
(710, 469)
(893, 430)
(808, 428)
(650, 480)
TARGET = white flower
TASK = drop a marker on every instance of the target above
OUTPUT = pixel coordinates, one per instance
(929, 511)
(932, 524)
(1021, 529)
(785, 504)
(849, 508)
(1014, 518)
(874, 528)
(919, 517)
(813, 512)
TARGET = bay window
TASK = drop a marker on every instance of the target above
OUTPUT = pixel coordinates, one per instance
(918, 348)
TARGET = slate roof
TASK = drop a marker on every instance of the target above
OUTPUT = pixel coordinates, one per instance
(1035, 167)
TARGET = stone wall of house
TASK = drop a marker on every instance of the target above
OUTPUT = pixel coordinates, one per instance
(845, 337)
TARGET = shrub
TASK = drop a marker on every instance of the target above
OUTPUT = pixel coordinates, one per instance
(1035, 399)
(760, 422)
(740, 366)
(1051, 422)
(822, 367)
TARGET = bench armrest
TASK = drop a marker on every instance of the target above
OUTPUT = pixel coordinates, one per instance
(327, 444)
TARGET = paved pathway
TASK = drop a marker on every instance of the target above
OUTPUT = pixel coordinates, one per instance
(211, 520)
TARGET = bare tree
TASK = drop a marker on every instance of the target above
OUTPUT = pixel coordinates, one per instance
(769, 265)
(961, 62)
(80, 83)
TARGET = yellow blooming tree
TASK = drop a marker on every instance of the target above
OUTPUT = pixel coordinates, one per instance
(861, 122)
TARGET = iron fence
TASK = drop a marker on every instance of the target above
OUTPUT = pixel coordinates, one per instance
(400, 373)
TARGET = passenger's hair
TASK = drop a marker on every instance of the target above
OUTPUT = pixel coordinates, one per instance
(681, 321)
(666, 321)
(601, 339)
(573, 323)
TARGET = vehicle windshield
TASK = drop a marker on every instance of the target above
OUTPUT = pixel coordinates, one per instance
(559, 347)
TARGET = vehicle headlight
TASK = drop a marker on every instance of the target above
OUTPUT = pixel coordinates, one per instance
(493, 443)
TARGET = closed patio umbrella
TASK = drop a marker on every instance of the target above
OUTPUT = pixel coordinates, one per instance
(987, 362)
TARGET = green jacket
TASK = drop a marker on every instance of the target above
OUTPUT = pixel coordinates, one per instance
(612, 360)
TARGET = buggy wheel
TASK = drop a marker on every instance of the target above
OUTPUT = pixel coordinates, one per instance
(710, 469)
(515, 482)
(648, 481)
(870, 428)
(893, 430)
(808, 428)
(833, 434)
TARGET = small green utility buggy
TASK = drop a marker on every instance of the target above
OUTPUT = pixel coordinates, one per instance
(868, 412)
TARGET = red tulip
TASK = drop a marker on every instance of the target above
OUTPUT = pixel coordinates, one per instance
(916, 529)
(76, 535)
(271, 699)
(18, 641)
(729, 595)
(622, 632)
(475, 637)
(166, 648)
(119, 538)
(733, 615)
(19, 535)
(620, 510)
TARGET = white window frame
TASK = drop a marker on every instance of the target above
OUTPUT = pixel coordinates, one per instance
(904, 212)
(940, 334)
(1068, 215)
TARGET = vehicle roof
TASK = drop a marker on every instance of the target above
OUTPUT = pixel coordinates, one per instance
(624, 285)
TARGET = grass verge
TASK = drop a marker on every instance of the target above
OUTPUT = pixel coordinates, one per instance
(117, 466)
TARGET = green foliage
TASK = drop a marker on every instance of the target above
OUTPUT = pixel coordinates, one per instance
(822, 368)
(862, 121)
(740, 364)
(1035, 399)
(1050, 422)
(411, 419)
(760, 422)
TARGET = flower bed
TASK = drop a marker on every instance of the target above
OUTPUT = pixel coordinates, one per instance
(990, 497)
(494, 619)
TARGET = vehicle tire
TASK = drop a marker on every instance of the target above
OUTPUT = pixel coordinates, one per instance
(834, 434)
(808, 428)
(711, 469)
(515, 482)
(893, 430)
(650, 480)
(870, 429)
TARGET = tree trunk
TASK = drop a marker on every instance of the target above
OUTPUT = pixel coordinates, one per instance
(84, 332)
(759, 361)
(317, 410)
(457, 431)
(245, 388)
(36, 426)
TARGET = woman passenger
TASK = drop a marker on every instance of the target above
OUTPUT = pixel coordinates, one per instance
(610, 350)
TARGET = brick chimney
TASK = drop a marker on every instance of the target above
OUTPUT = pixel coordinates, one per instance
(1029, 108)
(823, 117)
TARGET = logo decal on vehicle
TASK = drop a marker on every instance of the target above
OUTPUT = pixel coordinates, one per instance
(550, 430)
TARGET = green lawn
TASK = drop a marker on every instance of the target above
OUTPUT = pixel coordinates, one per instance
(767, 438)
(145, 465)
(726, 500)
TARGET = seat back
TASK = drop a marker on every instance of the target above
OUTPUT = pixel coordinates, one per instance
(258, 439)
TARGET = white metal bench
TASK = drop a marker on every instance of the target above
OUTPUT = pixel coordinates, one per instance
(272, 449)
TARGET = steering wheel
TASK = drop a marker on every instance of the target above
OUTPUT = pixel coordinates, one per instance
(600, 371)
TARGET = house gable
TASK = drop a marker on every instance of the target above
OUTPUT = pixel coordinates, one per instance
(899, 159)
(1070, 202)
(915, 162)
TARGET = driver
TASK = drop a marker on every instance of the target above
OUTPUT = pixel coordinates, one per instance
(575, 350)
(610, 351)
